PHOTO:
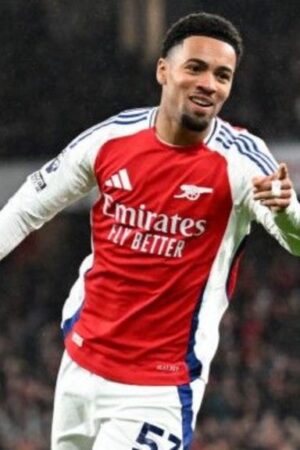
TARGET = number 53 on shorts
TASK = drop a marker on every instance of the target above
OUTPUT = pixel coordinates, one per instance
(151, 435)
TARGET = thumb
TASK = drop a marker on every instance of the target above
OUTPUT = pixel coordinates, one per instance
(282, 171)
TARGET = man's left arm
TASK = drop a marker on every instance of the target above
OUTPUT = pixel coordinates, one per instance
(276, 194)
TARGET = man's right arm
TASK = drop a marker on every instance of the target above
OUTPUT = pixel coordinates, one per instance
(58, 184)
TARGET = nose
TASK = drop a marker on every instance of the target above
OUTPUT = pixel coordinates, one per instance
(206, 82)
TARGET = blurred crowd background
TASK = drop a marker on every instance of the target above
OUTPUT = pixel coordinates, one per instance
(68, 64)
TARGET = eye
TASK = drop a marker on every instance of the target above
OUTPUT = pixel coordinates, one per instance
(224, 76)
(194, 68)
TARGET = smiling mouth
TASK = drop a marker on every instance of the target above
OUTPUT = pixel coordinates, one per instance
(201, 102)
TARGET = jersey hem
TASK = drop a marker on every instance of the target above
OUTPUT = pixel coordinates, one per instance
(132, 375)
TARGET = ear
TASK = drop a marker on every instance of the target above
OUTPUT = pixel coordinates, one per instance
(161, 71)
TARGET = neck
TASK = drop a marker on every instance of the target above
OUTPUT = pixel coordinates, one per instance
(171, 132)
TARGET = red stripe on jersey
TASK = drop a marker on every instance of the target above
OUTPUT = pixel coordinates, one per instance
(156, 233)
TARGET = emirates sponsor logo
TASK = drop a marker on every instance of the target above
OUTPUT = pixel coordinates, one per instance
(150, 232)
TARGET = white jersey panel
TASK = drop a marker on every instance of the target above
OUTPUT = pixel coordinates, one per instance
(215, 300)
(63, 180)
(75, 299)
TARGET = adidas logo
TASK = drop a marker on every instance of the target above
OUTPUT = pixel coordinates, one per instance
(119, 180)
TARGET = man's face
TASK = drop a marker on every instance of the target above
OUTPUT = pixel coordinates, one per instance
(196, 79)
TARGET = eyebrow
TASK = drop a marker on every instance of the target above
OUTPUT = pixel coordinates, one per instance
(201, 61)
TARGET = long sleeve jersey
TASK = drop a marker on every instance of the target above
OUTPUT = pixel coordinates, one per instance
(168, 228)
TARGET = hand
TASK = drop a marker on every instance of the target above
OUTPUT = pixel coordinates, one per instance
(276, 196)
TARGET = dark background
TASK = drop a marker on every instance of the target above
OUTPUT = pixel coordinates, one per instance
(64, 66)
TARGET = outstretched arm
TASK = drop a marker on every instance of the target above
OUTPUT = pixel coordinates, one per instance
(275, 190)
(55, 186)
(276, 193)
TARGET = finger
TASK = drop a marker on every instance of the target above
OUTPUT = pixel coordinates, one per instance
(282, 172)
(278, 202)
(266, 195)
(259, 182)
(267, 186)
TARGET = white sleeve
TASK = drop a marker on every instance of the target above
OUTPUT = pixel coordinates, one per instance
(55, 186)
(283, 226)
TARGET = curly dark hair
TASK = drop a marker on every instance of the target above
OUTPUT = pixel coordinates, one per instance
(203, 24)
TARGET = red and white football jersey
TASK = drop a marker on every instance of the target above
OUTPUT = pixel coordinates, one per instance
(168, 228)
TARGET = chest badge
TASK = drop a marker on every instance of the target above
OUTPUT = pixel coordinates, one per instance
(192, 192)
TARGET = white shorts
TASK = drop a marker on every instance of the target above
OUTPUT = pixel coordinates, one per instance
(92, 413)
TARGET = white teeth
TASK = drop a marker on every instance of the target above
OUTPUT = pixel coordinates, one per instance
(201, 102)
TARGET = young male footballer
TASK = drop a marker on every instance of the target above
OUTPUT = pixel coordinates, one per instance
(178, 190)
